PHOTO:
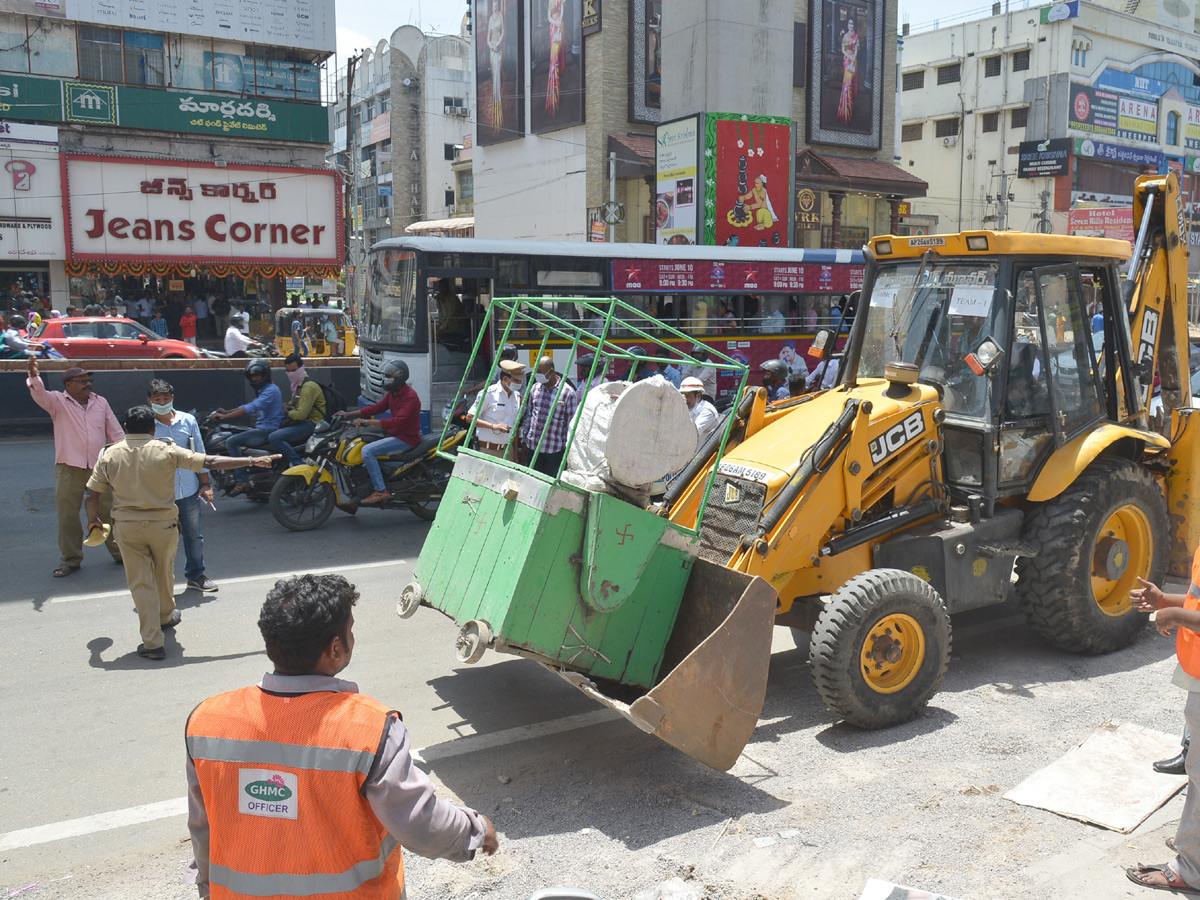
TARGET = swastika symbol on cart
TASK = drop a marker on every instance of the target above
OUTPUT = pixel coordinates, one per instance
(623, 535)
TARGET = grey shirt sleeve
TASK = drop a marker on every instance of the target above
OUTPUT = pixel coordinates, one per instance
(197, 870)
(402, 796)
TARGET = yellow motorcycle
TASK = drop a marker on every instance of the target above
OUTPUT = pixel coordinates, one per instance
(333, 475)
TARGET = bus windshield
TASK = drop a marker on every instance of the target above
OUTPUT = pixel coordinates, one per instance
(932, 315)
(392, 312)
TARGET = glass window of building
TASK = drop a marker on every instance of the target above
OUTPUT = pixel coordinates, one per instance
(991, 67)
(949, 74)
(991, 122)
(1020, 61)
(1173, 129)
(100, 54)
(1020, 117)
(913, 81)
(912, 132)
(946, 127)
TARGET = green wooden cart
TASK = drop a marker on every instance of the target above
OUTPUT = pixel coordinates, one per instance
(599, 589)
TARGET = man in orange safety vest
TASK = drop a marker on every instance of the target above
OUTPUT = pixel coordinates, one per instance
(300, 785)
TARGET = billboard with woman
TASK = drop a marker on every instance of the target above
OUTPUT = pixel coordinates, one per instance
(499, 71)
(555, 65)
(846, 97)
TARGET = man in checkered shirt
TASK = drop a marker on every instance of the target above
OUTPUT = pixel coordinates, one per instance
(548, 416)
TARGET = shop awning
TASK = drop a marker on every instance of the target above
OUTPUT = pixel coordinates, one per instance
(635, 154)
(463, 226)
(77, 268)
(854, 175)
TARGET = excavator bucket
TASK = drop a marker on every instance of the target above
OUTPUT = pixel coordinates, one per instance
(716, 660)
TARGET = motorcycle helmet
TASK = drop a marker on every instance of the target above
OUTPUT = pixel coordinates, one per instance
(258, 373)
(395, 374)
(774, 372)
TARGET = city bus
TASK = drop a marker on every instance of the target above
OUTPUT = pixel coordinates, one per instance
(425, 298)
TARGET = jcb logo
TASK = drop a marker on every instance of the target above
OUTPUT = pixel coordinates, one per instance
(896, 437)
(1149, 336)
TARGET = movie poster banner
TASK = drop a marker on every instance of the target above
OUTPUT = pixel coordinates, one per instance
(645, 60)
(677, 150)
(555, 65)
(845, 99)
(747, 180)
(499, 70)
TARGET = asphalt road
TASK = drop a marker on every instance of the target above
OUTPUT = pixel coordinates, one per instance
(91, 761)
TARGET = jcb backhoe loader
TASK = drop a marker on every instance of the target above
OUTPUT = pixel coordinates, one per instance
(979, 421)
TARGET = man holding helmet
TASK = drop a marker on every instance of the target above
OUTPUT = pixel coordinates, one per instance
(402, 427)
(268, 404)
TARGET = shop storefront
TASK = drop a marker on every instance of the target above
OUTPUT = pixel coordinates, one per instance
(842, 201)
(32, 245)
(174, 228)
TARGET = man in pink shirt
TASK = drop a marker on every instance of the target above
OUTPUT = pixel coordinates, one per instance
(83, 424)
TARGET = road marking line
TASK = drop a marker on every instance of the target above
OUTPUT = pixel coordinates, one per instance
(44, 834)
(245, 579)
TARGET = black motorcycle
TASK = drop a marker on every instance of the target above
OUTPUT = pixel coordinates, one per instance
(259, 482)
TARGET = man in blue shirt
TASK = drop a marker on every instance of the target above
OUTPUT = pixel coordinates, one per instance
(190, 487)
(269, 407)
(775, 376)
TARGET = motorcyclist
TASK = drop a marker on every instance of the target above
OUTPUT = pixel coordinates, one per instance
(236, 343)
(402, 429)
(268, 405)
(774, 379)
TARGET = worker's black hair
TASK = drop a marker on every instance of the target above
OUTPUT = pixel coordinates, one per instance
(301, 616)
(158, 386)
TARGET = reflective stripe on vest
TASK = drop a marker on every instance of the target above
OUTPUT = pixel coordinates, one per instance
(303, 885)
(320, 759)
(282, 778)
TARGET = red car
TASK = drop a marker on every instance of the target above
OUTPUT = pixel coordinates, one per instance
(92, 337)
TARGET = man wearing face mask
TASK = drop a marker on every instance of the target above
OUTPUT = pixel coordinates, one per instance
(495, 410)
(402, 427)
(304, 411)
(191, 488)
(550, 411)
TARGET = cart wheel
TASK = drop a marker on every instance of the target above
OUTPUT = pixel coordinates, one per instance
(473, 639)
(410, 599)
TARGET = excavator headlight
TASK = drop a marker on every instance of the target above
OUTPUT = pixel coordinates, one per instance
(987, 353)
(977, 242)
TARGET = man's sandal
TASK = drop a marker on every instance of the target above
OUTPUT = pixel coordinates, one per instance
(64, 570)
(1171, 882)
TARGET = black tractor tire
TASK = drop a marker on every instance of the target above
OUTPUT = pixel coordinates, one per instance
(1094, 539)
(297, 507)
(437, 471)
(880, 648)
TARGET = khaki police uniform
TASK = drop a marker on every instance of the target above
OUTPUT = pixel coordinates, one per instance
(140, 472)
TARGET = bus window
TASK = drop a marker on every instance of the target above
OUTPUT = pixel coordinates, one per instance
(391, 312)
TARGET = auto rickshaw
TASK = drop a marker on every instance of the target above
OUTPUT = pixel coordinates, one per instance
(316, 333)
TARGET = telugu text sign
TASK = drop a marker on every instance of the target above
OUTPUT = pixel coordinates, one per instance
(121, 208)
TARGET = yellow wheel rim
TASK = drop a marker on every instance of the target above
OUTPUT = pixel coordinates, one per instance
(1122, 552)
(892, 653)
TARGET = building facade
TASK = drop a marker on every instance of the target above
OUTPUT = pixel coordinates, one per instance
(410, 125)
(175, 137)
(577, 102)
(1041, 119)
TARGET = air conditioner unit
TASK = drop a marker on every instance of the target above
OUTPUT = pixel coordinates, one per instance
(950, 141)
(460, 110)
